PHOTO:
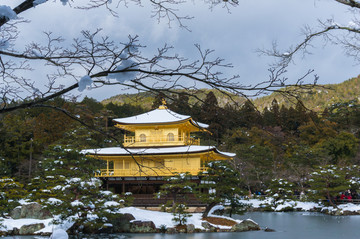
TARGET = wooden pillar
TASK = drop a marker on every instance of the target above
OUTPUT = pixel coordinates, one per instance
(107, 166)
(123, 187)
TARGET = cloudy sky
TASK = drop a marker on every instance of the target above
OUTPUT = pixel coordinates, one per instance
(235, 35)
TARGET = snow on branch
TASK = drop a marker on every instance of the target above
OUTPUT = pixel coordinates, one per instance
(7, 13)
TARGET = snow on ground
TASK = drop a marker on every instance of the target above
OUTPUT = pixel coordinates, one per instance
(297, 205)
(280, 205)
(255, 203)
(165, 218)
(160, 218)
(9, 224)
(349, 207)
(285, 204)
(306, 206)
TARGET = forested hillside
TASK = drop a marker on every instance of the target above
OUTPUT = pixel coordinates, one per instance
(146, 99)
(319, 98)
(316, 99)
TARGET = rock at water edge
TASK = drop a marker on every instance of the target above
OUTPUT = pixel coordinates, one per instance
(245, 225)
(142, 226)
(31, 228)
(190, 228)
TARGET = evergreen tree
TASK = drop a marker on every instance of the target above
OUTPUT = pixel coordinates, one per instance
(212, 114)
(255, 163)
(342, 146)
(177, 187)
(91, 104)
(69, 189)
(15, 141)
(281, 189)
(271, 117)
(181, 104)
(124, 110)
(221, 184)
(327, 182)
(180, 214)
(249, 116)
(10, 194)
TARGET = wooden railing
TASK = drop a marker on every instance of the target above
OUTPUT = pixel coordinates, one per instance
(148, 172)
(162, 141)
(344, 201)
(148, 200)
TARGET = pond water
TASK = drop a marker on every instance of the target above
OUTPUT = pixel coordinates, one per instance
(292, 225)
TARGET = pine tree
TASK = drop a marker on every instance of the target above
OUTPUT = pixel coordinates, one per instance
(221, 184)
(10, 194)
(327, 182)
(178, 187)
(249, 116)
(212, 114)
(180, 214)
(69, 189)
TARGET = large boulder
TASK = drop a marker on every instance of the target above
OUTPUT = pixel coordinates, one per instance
(3, 233)
(142, 226)
(121, 222)
(171, 230)
(14, 231)
(190, 228)
(31, 228)
(31, 210)
(245, 225)
(208, 227)
(116, 223)
(16, 213)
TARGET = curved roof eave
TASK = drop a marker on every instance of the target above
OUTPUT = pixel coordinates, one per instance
(117, 151)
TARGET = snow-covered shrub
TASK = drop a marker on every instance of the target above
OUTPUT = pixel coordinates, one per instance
(71, 191)
(10, 194)
(180, 214)
(281, 189)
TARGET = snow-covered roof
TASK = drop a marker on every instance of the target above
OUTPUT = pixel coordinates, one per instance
(158, 116)
(117, 151)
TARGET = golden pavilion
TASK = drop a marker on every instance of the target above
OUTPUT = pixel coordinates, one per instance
(158, 144)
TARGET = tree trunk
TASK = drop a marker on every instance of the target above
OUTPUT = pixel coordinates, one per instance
(331, 200)
(174, 202)
(208, 208)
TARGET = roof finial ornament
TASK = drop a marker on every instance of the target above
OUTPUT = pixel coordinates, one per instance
(163, 106)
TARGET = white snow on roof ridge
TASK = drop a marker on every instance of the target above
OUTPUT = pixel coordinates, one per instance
(157, 116)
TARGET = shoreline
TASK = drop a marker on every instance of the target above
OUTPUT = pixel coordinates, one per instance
(272, 205)
(152, 220)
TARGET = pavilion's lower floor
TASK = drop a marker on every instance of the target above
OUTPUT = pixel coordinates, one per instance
(143, 190)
